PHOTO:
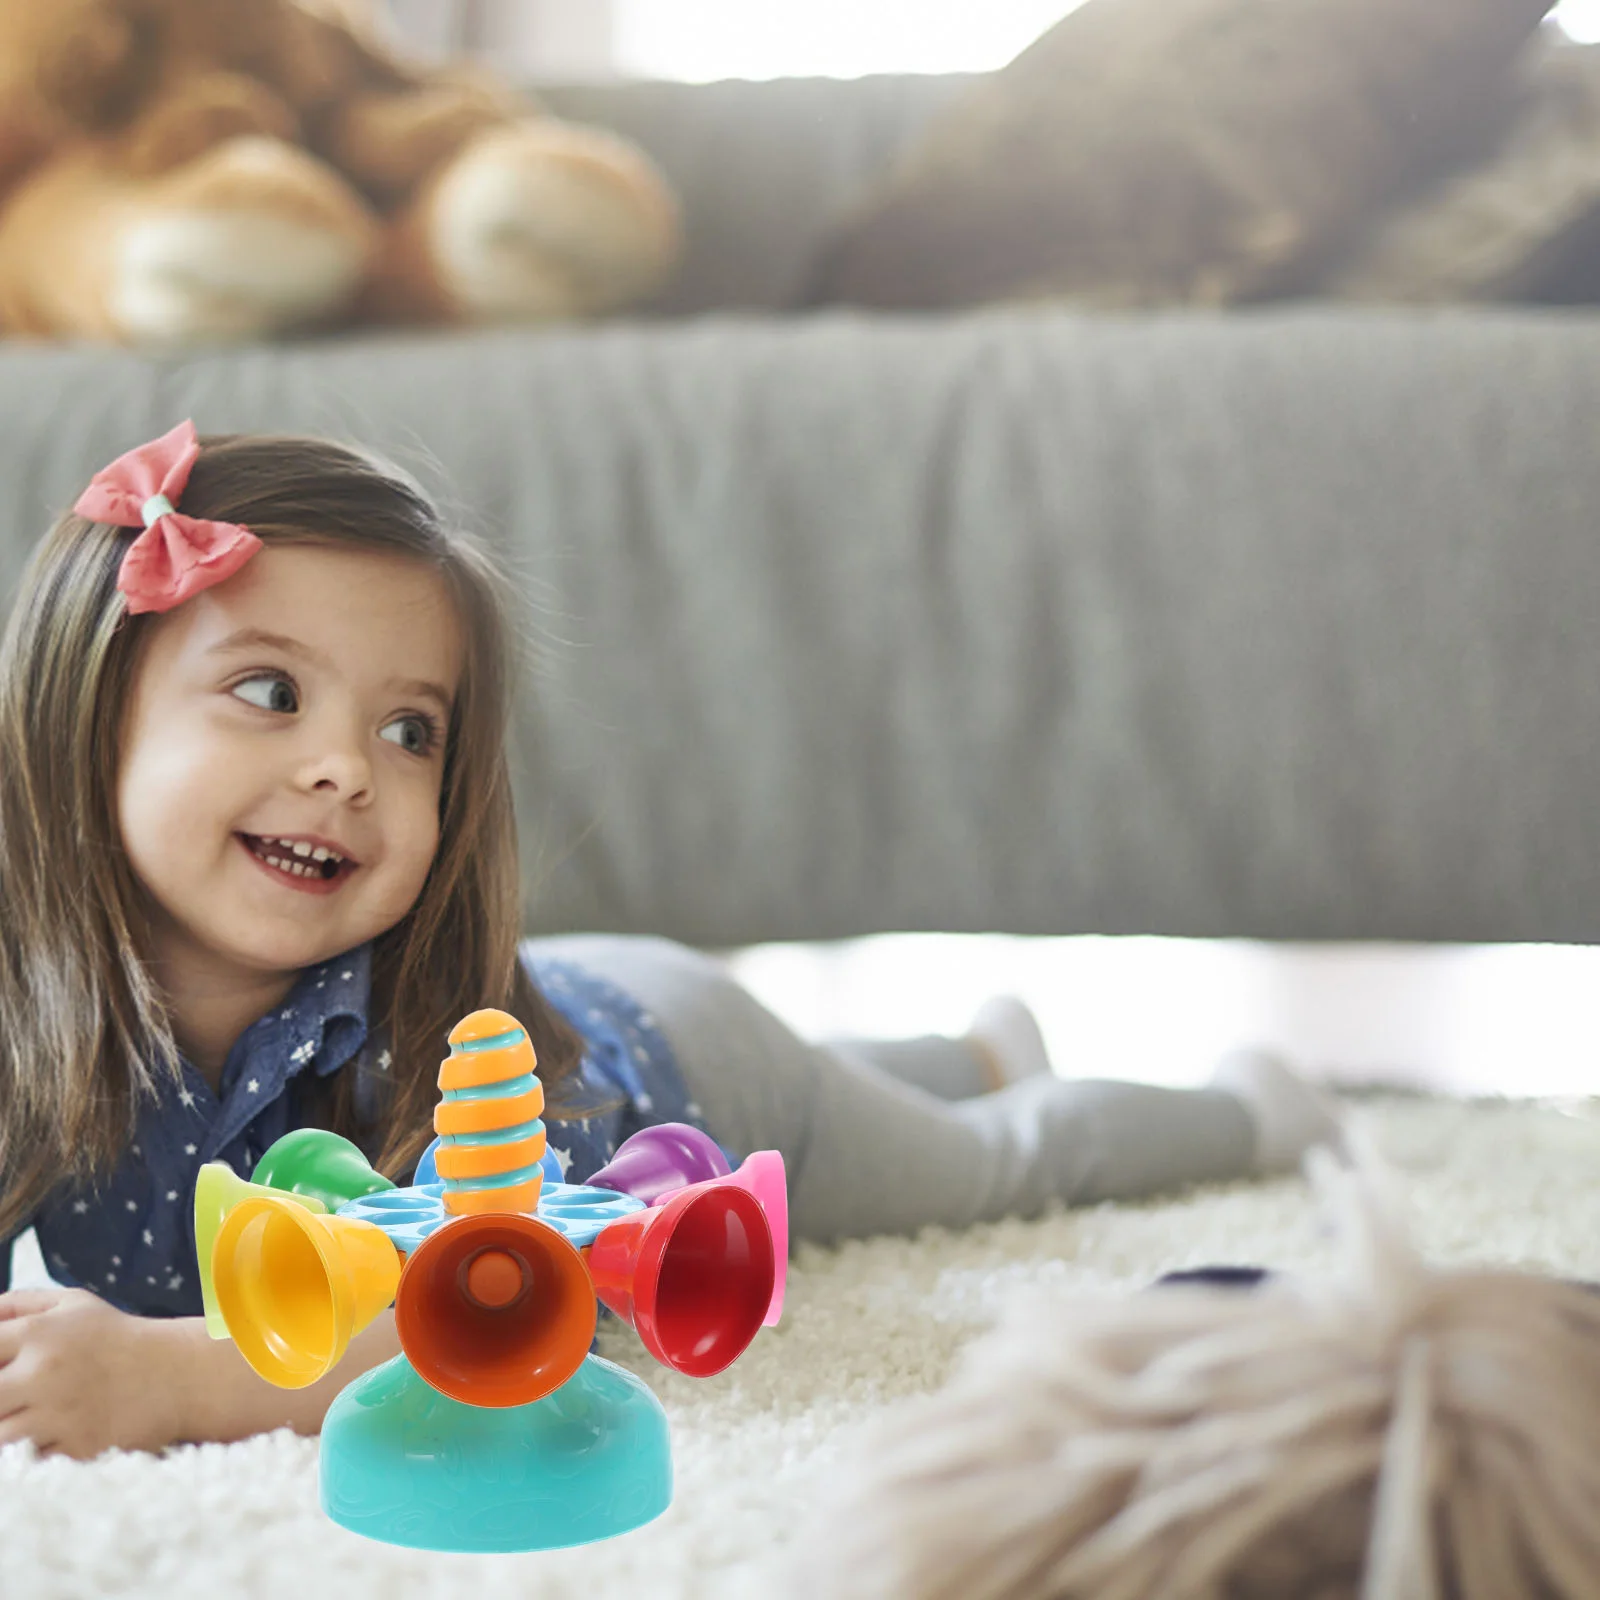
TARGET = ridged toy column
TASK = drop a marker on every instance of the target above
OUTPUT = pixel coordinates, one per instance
(491, 1139)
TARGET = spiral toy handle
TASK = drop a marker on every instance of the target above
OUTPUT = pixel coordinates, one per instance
(492, 1138)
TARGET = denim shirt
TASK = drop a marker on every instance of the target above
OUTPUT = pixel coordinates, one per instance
(132, 1240)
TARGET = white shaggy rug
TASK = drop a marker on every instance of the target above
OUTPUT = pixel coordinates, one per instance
(864, 1325)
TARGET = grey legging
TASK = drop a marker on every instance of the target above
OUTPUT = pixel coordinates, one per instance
(877, 1138)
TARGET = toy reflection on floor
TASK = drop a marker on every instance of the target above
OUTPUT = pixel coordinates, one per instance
(495, 1429)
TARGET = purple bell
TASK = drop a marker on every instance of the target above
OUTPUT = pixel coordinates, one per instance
(656, 1161)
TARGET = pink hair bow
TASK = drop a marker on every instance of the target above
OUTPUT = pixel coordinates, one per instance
(175, 556)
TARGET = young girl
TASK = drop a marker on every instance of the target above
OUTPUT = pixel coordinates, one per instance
(257, 856)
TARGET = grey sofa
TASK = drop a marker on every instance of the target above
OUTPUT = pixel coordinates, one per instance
(1279, 624)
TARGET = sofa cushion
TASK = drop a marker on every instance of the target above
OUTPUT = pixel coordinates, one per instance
(1522, 224)
(761, 169)
(1159, 151)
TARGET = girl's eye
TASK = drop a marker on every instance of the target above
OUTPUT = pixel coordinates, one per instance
(417, 734)
(269, 690)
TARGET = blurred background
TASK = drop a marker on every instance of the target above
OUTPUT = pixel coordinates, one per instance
(1370, 704)
(1516, 1019)
(1466, 1019)
(701, 40)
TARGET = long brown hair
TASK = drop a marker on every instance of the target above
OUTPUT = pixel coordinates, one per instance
(84, 1031)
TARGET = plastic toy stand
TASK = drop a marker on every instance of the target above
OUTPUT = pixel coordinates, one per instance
(496, 1429)
(405, 1464)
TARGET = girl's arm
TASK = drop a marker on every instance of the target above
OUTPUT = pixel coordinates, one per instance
(225, 1399)
(78, 1376)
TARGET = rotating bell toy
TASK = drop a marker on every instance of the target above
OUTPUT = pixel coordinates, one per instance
(495, 1428)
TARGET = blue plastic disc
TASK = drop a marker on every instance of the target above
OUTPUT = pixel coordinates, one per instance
(408, 1216)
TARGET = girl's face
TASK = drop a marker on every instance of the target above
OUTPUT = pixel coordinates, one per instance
(296, 709)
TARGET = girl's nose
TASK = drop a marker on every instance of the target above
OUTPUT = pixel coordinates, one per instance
(337, 765)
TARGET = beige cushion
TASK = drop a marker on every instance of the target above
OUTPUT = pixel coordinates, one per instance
(1524, 223)
(1159, 151)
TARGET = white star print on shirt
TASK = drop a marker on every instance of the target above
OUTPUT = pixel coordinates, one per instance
(177, 1155)
(384, 1058)
(563, 1158)
(80, 1208)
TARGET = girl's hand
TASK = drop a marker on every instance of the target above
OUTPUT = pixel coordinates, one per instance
(77, 1376)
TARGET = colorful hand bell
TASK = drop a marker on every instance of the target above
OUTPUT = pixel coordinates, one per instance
(495, 1429)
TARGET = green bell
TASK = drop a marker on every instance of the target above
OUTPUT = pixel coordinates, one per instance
(313, 1161)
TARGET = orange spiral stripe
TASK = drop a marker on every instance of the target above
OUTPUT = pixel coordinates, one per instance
(471, 1069)
(484, 1160)
(522, 1197)
(484, 1116)
(488, 1023)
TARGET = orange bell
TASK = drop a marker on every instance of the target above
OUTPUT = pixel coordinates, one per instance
(495, 1310)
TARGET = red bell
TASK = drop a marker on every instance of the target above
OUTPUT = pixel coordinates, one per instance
(693, 1277)
(763, 1175)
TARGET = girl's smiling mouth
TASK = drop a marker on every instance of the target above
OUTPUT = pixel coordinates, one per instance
(313, 868)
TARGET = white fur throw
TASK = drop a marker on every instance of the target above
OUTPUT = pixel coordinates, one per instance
(759, 1448)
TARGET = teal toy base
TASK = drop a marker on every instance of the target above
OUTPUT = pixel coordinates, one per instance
(407, 1465)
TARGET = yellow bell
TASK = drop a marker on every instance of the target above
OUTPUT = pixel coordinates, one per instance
(217, 1191)
(294, 1287)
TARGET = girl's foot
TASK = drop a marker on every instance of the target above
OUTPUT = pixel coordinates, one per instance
(1290, 1115)
(1005, 1036)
